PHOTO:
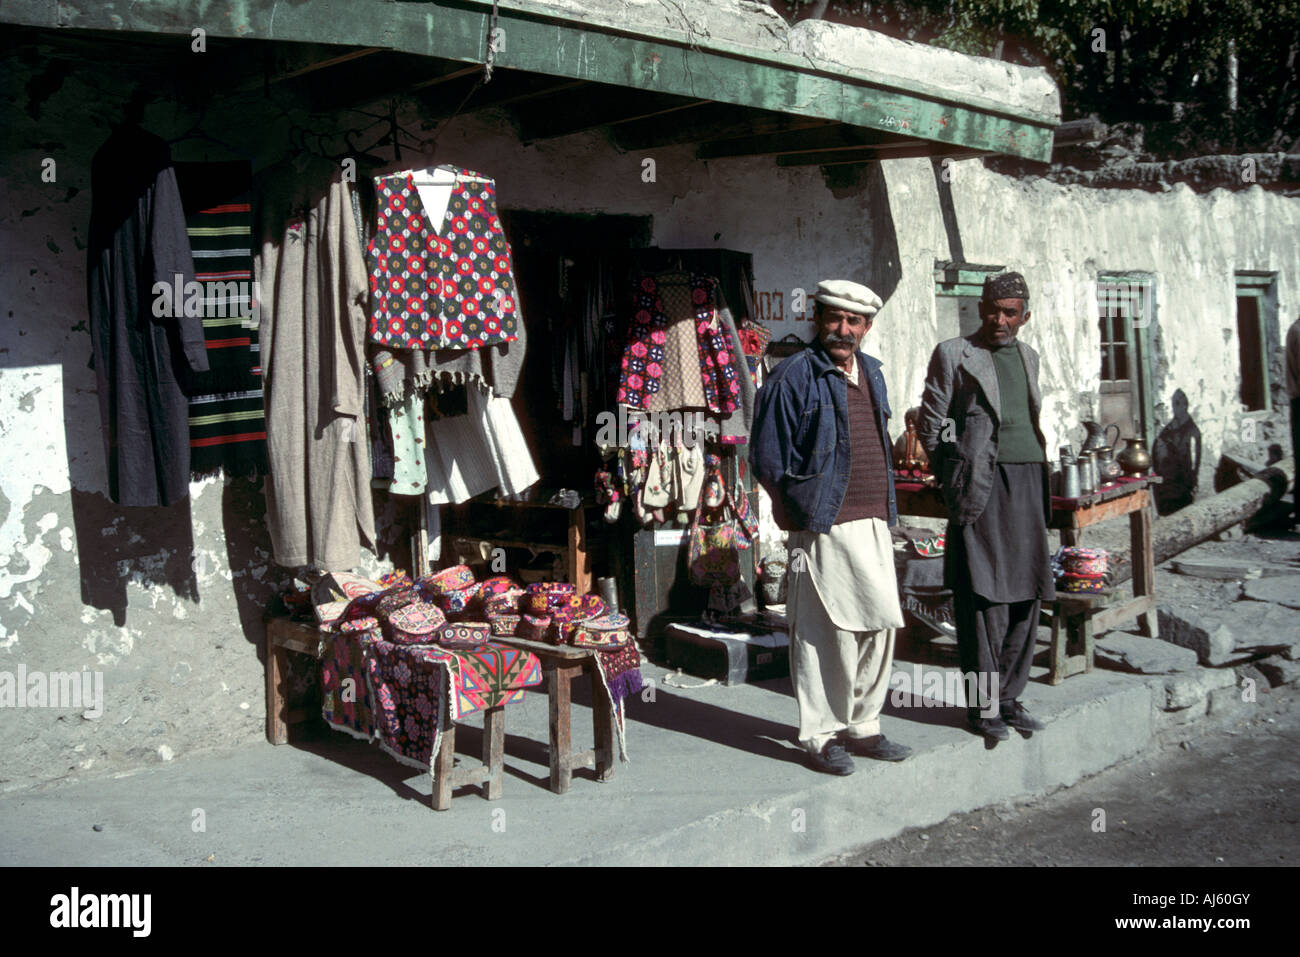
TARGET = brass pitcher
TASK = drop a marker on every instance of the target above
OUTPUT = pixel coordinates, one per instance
(1135, 459)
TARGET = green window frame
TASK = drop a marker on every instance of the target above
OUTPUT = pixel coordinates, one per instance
(1256, 325)
(1126, 315)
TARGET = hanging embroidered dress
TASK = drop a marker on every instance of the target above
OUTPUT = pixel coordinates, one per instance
(443, 283)
(678, 353)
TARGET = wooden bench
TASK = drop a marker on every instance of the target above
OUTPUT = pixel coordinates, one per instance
(284, 635)
(560, 665)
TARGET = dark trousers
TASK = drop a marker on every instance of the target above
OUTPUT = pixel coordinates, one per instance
(994, 639)
(1295, 455)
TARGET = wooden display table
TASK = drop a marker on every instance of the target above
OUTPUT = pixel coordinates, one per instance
(1080, 614)
(284, 635)
(561, 664)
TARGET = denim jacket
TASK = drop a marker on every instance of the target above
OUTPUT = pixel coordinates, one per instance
(799, 446)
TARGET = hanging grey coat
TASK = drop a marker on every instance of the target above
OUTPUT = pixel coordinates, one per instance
(144, 344)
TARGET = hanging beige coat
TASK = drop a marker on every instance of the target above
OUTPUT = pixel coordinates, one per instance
(313, 291)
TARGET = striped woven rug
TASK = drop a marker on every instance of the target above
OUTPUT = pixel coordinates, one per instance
(227, 417)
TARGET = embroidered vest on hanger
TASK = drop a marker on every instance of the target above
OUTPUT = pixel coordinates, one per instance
(451, 287)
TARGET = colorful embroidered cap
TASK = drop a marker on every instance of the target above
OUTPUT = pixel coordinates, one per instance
(465, 635)
(532, 628)
(505, 626)
(607, 631)
(458, 601)
(449, 579)
(417, 624)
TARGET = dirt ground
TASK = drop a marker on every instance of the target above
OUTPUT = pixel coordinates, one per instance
(1229, 795)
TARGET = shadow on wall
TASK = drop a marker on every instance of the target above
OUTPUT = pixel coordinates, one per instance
(885, 270)
(1176, 458)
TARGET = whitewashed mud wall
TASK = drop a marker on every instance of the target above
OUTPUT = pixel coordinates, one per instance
(1061, 238)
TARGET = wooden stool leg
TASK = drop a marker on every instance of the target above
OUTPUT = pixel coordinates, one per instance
(277, 666)
(494, 742)
(1087, 649)
(559, 694)
(1059, 653)
(602, 721)
(443, 763)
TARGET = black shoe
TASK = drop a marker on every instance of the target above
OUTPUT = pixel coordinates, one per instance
(832, 759)
(993, 729)
(1015, 715)
(879, 747)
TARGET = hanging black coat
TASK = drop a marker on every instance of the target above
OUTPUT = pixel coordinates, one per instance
(144, 344)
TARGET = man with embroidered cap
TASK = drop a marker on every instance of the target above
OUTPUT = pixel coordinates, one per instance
(979, 424)
(820, 447)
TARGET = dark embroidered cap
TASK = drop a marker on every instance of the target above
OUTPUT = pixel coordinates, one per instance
(1009, 285)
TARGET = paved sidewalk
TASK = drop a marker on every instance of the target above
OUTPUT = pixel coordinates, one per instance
(714, 778)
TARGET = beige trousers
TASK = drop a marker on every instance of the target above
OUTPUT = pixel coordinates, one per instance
(841, 678)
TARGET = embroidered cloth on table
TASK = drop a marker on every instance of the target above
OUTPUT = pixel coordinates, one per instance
(440, 282)
(407, 684)
(345, 698)
(620, 673)
(656, 360)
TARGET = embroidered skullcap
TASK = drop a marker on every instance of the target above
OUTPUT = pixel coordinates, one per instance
(851, 296)
(1009, 285)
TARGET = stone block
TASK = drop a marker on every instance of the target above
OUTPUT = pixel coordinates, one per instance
(1281, 590)
(1187, 689)
(1148, 656)
(1210, 638)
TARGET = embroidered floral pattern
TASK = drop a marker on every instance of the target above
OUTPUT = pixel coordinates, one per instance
(441, 288)
(644, 357)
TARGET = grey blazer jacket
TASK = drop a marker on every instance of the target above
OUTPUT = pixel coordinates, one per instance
(960, 414)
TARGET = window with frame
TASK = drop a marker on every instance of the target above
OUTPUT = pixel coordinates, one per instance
(1256, 320)
(1125, 310)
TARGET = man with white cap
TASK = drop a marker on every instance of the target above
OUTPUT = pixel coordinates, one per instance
(820, 447)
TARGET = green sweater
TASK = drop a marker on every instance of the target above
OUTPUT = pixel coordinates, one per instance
(1016, 439)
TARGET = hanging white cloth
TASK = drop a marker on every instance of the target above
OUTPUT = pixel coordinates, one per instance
(484, 449)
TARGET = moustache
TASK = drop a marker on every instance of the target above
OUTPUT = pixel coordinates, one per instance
(830, 339)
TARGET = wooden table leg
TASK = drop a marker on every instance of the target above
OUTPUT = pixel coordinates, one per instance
(443, 763)
(1144, 569)
(494, 743)
(602, 720)
(559, 678)
(277, 666)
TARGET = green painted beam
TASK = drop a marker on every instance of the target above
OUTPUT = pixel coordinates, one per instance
(550, 44)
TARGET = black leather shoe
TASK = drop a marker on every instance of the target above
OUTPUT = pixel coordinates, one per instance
(993, 729)
(879, 747)
(832, 759)
(1015, 715)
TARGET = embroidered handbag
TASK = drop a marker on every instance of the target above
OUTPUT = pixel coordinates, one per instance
(713, 555)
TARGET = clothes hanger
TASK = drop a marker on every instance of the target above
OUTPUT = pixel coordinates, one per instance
(196, 132)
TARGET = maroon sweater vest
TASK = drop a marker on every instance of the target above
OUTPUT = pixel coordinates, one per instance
(868, 493)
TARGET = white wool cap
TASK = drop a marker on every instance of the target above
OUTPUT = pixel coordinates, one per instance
(853, 296)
